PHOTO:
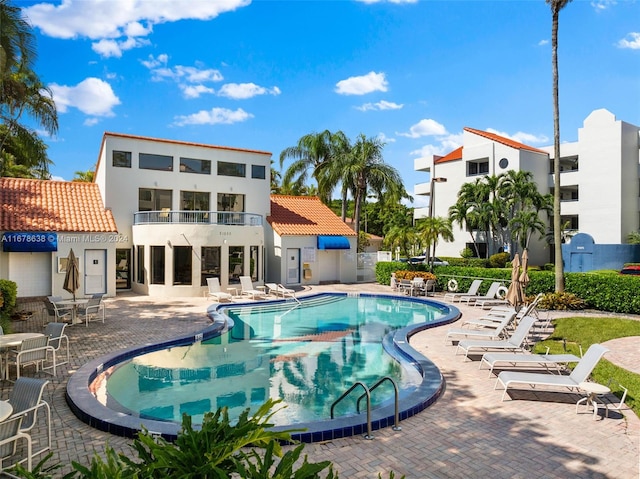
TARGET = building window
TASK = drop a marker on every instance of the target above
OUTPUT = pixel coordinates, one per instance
(182, 265)
(478, 167)
(259, 172)
(232, 204)
(210, 264)
(232, 169)
(254, 264)
(147, 161)
(191, 165)
(194, 201)
(154, 200)
(236, 263)
(140, 265)
(121, 159)
(157, 265)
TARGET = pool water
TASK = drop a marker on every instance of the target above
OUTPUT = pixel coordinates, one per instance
(305, 354)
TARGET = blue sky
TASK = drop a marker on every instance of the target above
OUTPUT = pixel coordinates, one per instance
(260, 74)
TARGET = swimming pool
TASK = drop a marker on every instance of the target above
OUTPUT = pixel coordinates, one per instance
(305, 353)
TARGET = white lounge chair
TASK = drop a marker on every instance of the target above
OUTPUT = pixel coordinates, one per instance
(496, 314)
(472, 291)
(280, 290)
(491, 332)
(513, 343)
(213, 285)
(515, 360)
(247, 288)
(490, 294)
(579, 374)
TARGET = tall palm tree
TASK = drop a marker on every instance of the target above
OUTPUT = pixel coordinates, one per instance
(83, 176)
(21, 90)
(524, 224)
(402, 237)
(366, 170)
(556, 6)
(312, 152)
(461, 213)
(431, 229)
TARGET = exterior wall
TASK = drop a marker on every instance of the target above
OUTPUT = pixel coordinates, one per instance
(327, 266)
(37, 274)
(120, 189)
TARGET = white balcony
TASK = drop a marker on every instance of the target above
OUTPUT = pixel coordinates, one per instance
(423, 164)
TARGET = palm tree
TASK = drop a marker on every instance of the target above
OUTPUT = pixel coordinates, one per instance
(366, 170)
(402, 237)
(21, 91)
(275, 179)
(461, 213)
(524, 224)
(312, 152)
(431, 229)
(556, 6)
(83, 176)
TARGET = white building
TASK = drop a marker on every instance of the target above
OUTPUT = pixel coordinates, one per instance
(184, 211)
(600, 180)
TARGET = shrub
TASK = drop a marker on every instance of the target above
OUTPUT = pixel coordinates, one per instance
(414, 274)
(561, 301)
(8, 296)
(549, 267)
(499, 260)
(466, 253)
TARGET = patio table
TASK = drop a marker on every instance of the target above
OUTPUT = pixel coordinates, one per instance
(74, 310)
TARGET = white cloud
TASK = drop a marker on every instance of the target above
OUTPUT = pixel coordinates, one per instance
(385, 139)
(543, 42)
(381, 105)
(90, 121)
(242, 91)
(195, 91)
(522, 137)
(600, 5)
(632, 41)
(445, 145)
(214, 116)
(91, 96)
(113, 48)
(426, 127)
(190, 79)
(361, 85)
(123, 21)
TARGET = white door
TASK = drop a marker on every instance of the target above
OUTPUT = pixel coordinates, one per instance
(293, 266)
(31, 272)
(95, 271)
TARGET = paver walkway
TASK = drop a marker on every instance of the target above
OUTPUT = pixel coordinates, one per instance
(468, 433)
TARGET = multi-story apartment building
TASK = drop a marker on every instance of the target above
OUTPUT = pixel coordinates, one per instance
(599, 180)
(184, 212)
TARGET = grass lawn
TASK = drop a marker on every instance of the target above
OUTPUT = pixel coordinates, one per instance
(571, 333)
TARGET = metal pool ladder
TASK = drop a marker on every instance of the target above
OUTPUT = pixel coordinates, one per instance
(367, 394)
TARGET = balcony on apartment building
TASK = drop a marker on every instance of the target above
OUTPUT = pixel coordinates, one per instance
(167, 216)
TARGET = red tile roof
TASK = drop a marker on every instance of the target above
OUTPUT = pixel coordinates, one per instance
(43, 205)
(304, 216)
(457, 153)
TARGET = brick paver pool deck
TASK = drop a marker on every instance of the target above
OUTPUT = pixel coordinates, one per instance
(467, 433)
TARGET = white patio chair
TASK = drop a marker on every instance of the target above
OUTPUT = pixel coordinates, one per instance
(93, 310)
(248, 289)
(55, 332)
(10, 435)
(32, 352)
(213, 285)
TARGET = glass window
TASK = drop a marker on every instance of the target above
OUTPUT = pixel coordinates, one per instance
(157, 265)
(233, 204)
(232, 169)
(210, 264)
(477, 167)
(236, 263)
(182, 265)
(194, 201)
(121, 159)
(147, 161)
(140, 265)
(123, 276)
(254, 263)
(154, 200)
(258, 171)
(191, 165)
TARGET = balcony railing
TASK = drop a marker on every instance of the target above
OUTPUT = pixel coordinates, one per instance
(197, 217)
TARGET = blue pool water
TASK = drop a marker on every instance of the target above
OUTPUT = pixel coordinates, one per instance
(305, 354)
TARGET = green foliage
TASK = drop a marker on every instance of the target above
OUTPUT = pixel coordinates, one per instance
(467, 253)
(499, 260)
(561, 301)
(634, 237)
(410, 275)
(549, 267)
(8, 297)
(385, 268)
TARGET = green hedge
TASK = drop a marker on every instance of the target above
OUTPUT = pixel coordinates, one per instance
(601, 291)
(8, 296)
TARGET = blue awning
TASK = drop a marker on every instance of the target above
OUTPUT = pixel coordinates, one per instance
(333, 242)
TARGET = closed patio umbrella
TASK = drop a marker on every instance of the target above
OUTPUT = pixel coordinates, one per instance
(72, 275)
(524, 276)
(515, 294)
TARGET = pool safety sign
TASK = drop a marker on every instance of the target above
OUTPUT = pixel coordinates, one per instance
(29, 242)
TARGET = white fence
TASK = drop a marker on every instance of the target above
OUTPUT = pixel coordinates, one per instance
(367, 265)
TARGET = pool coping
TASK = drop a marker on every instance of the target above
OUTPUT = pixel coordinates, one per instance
(83, 404)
